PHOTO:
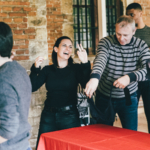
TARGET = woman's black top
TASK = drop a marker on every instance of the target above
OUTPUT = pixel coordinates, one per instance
(61, 83)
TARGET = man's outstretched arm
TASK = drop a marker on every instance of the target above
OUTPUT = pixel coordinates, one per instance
(98, 67)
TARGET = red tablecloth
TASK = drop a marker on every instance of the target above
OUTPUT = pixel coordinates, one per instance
(95, 137)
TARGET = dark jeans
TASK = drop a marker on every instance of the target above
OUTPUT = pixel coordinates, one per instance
(51, 121)
(127, 114)
(144, 90)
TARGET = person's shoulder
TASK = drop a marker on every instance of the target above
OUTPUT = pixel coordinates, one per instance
(143, 31)
(48, 67)
(16, 67)
(147, 31)
(137, 40)
(139, 43)
(75, 66)
(147, 27)
(14, 73)
(108, 40)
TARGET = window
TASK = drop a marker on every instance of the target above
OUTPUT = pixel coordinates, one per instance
(114, 9)
(86, 24)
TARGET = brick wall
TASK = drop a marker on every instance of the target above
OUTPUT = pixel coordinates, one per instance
(54, 23)
(36, 24)
(15, 14)
(27, 21)
(59, 21)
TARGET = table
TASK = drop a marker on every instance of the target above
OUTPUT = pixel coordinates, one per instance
(95, 137)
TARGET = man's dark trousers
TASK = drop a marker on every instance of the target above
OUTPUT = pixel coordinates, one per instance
(144, 91)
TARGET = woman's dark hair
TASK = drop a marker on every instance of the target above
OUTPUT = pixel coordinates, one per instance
(6, 40)
(54, 54)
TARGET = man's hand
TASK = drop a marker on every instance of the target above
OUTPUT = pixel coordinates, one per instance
(13, 53)
(91, 87)
(122, 82)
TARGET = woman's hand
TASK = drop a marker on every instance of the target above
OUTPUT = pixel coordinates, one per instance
(12, 55)
(82, 54)
(38, 61)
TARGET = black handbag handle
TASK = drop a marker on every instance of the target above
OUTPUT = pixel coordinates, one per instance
(127, 96)
(111, 92)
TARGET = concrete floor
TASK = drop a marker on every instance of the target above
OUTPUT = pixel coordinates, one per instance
(142, 123)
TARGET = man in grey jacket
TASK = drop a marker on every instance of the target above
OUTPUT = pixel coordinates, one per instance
(15, 96)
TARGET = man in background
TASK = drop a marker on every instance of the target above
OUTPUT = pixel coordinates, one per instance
(15, 96)
(143, 32)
